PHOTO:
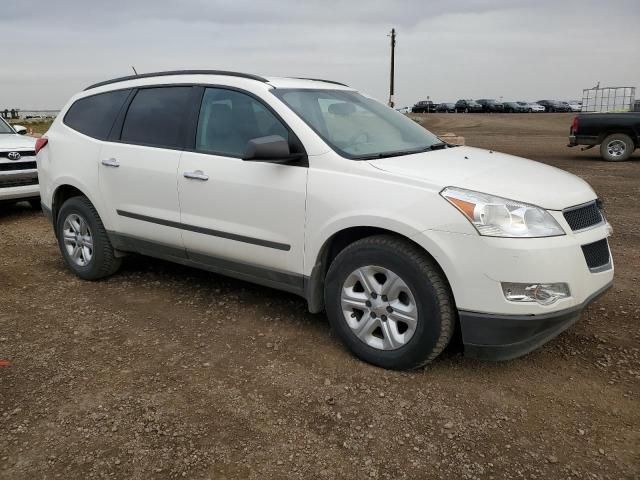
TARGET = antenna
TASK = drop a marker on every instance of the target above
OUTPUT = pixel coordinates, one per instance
(134, 70)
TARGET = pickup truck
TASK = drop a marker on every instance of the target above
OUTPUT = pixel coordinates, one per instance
(618, 134)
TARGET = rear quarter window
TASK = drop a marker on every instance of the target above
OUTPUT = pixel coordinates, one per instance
(94, 116)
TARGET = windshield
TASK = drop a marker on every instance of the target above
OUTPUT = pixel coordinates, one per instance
(4, 127)
(355, 126)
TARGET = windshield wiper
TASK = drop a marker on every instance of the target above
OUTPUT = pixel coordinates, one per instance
(375, 156)
(439, 146)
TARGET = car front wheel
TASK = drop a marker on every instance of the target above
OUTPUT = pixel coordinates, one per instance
(389, 303)
(83, 240)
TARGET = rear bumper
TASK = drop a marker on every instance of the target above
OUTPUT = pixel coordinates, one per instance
(503, 337)
(582, 140)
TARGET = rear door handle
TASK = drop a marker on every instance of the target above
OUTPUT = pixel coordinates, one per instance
(111, 162)
(197, 175)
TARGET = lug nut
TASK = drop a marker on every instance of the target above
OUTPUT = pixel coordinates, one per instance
(373, 314)
(367, 303)
(383, 318)
(384, 298)
(374, 295)
(389, 309)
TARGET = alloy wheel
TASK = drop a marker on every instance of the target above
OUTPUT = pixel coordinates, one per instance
(78, 239)
(616, 148)
(379, 307)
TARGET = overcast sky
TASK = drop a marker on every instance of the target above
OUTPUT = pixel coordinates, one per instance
(528, 49)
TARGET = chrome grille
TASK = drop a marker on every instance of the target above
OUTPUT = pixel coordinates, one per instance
(7, 167)
(18, 182)
(23, 154)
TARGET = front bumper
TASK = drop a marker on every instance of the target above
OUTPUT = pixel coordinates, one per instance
(19, 193)
(503, 337)
(19, 181)
(475, 267)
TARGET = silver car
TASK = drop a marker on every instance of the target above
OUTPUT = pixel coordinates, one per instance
(531, 107)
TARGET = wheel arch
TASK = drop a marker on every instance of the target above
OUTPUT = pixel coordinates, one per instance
(332, 246)
(61, 194)
(624, 131)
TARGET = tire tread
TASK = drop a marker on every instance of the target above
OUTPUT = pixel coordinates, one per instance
(619, 136)
(428, 268)
(109, 263)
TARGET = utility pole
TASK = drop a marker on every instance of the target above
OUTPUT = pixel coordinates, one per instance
(393, 53)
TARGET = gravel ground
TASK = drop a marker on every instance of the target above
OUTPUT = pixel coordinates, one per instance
(167, 372)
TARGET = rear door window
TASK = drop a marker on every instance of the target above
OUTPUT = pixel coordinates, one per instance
(155, 117)
(94, 116)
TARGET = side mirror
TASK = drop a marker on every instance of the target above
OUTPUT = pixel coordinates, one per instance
(20, 130)
(272, 148)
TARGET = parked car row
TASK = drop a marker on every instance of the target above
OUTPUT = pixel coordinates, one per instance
(490, 105)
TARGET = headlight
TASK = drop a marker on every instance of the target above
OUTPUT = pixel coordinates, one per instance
(500, 217)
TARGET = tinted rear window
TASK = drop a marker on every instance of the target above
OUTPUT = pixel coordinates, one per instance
(94, 116)
(155, 116)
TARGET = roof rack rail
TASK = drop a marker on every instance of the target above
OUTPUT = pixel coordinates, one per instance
(178, 72)
(321, 80)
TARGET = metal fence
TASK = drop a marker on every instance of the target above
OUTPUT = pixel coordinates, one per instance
(608, 99)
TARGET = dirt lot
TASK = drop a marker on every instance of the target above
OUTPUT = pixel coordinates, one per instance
(168, 372)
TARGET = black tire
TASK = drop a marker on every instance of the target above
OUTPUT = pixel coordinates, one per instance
(619, 139)
(35, 203)
(103, 261)
(435, 305)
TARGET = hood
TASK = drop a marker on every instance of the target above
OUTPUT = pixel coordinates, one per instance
(11, 141)
(495, 173)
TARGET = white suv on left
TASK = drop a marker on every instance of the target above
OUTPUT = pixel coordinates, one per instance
(312, 187)
(18, 171)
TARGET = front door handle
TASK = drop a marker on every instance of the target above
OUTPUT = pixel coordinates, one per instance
(197, 175)
(111, 162)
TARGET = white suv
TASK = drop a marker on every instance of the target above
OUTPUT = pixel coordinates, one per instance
(18, 172)
(311, 187)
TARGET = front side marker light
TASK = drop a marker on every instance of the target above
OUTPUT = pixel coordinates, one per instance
(541, 293)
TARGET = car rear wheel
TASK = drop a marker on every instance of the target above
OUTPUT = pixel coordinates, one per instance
(616, 147)
(83, 240)
(389, 303)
